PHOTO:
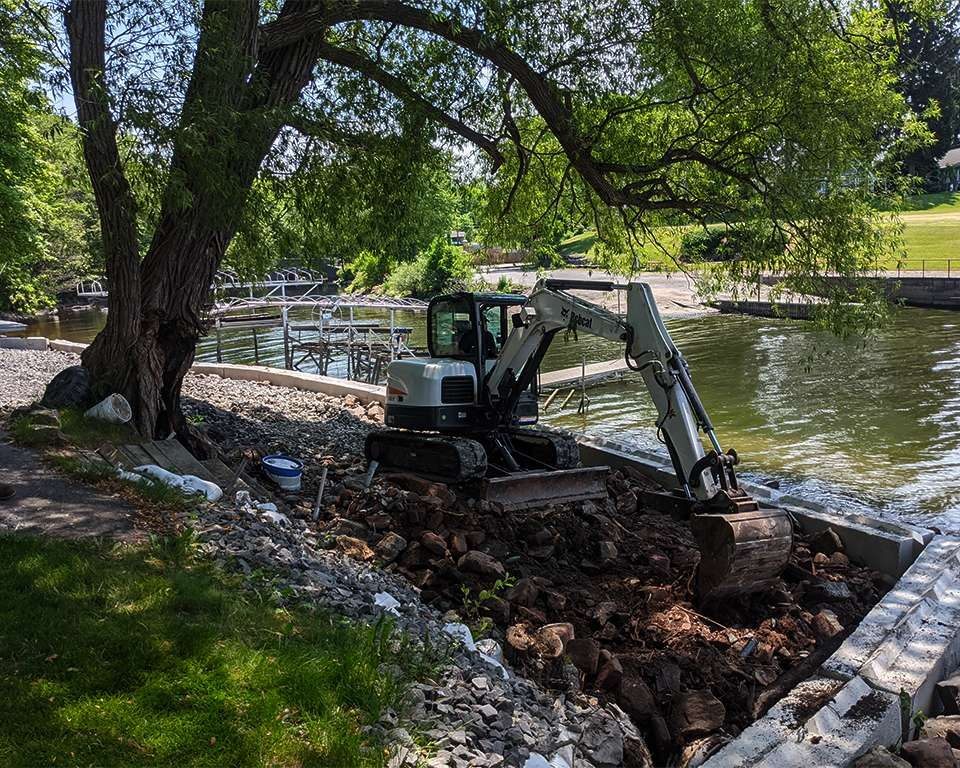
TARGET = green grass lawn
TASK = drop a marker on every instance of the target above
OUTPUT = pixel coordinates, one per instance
(931, 233)
(133, 656)
(933, 241)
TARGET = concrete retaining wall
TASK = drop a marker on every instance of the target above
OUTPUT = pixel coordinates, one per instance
(38, 343)
(280, 377)
(66, 346)
(934, 292)
(883, 545)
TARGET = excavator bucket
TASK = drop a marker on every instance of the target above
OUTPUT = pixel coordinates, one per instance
(741, 551)
(522, 490)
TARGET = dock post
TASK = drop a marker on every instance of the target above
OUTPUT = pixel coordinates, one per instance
(392, 325)
(286, 338)
(256, 349)
(219, 348)
(350, 346)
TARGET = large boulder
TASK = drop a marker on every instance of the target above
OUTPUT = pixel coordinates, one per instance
(71, 388)
(697, 713)
(929, 753)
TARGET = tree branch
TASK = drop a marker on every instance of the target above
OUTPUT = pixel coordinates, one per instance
(86, 31)
(541, 92)
(372, 71)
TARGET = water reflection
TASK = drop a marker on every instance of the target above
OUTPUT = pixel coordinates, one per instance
(875, 420)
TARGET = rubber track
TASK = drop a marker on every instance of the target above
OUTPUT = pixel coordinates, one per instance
(565, 445)
(426, 454)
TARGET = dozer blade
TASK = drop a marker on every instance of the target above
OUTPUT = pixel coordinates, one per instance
(523, 490)
(741, 552)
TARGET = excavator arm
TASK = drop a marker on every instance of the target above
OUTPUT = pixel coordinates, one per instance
(648, 349)
(742, 547)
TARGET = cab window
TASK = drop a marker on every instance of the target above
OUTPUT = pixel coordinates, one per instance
(451, 328)
(493, 320)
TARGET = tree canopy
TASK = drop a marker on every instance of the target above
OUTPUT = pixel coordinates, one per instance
(630, 115)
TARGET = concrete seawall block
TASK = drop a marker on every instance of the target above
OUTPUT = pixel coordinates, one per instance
(280, 377)
(36, 343)
(822, 722)
(58, 345)
(911, 638)
(885, 546)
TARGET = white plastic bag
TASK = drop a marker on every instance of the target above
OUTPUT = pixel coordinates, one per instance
(189, 484)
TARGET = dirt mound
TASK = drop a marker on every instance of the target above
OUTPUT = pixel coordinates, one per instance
(621, 578)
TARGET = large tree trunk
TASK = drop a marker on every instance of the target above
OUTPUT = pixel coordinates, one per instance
(232, 114)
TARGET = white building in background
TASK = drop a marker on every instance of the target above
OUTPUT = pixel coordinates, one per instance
(949, 170)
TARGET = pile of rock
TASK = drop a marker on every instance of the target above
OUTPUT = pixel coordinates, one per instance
(244, 414)
(594, 598)
(480, 714)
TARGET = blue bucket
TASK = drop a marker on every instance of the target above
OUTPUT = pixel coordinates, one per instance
(285, 471)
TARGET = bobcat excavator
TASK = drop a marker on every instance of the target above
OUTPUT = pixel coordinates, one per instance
(465, 416)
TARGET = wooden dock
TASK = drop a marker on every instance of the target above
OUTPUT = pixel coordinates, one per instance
(592, 374)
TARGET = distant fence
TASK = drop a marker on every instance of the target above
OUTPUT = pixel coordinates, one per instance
(925, 268)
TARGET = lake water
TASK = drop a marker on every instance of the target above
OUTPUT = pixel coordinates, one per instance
(871, 422)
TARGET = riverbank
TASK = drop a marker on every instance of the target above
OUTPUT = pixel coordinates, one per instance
(554, 586)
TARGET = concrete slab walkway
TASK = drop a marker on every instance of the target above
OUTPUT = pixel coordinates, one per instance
(47, 503)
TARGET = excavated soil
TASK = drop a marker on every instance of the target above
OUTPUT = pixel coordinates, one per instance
(597, 598)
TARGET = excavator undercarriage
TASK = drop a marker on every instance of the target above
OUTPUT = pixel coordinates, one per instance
(547, 467)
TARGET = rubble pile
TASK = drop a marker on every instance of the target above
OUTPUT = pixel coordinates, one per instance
(597, 598)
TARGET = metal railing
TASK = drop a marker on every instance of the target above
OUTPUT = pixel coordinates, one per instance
(924, 268)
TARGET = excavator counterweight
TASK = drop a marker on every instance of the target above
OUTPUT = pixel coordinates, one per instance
(466, 414)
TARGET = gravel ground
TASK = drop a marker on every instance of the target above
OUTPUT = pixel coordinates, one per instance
(477, 713)
(24, 375)
(304, 424)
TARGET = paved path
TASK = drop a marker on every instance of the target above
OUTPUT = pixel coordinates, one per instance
(47, 503)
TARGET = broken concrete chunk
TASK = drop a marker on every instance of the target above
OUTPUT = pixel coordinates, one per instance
(948, 692)
(637, 700)
(944, 727)
(827, 542)
(879, 757)
(481, 564)
(354, 548)
(584, 652)
(608, 551)
(433, 543)
(390, 546)
(524, 592)
(609, 673)
(826, 624)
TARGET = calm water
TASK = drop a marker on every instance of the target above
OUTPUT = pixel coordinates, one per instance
(872, 421)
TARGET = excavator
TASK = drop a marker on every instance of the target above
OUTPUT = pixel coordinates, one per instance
(466, 415)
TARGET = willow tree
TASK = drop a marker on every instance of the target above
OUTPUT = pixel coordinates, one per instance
(634, 112)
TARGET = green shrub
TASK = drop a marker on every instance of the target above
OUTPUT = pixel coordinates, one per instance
(728, 244)
(407, 279)
(366, 271)
(440, 268)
